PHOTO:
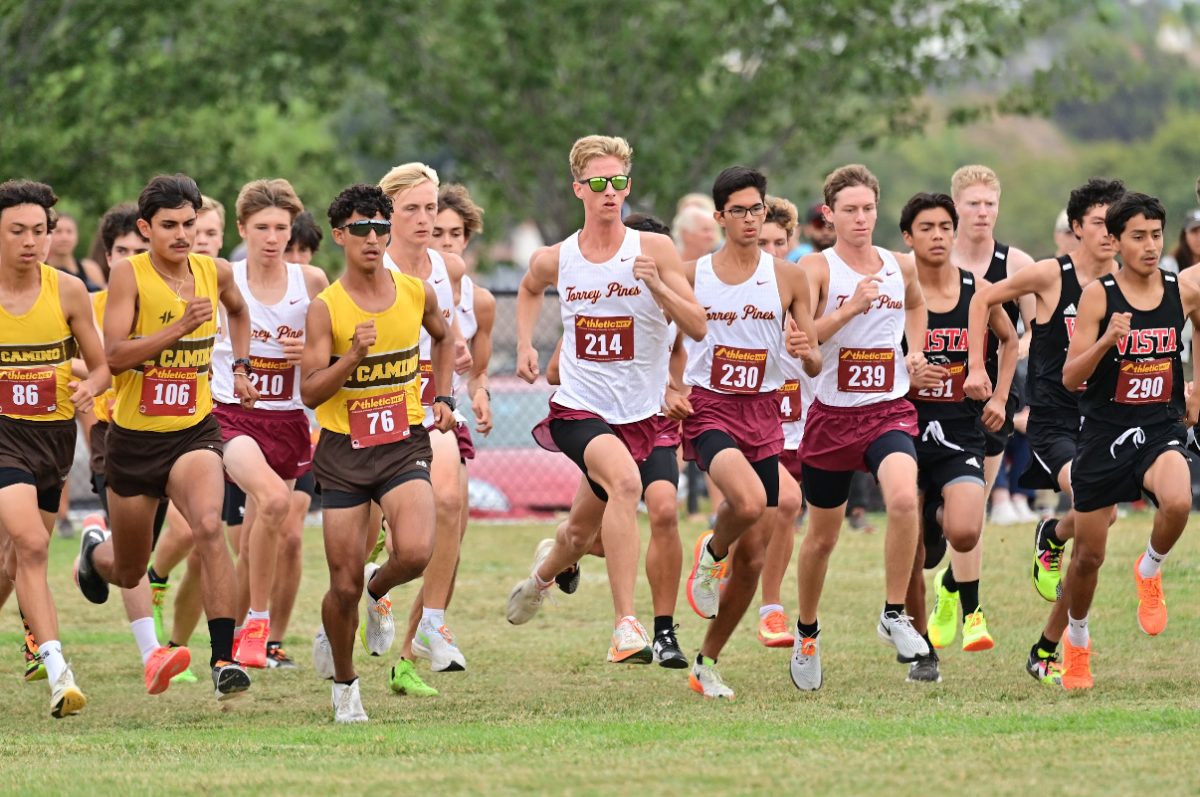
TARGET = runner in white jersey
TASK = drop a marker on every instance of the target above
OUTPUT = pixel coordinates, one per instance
(413, 189)
(268, 447)
(868, 301)
(619, 288)
(730, 412)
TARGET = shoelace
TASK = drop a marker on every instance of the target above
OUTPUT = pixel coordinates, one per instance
(808, 646)
(1150, 592)
(776, 623)
(383, 606)
(277, 653)
(1051, 559)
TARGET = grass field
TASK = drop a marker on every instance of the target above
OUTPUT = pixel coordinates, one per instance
(539, 710)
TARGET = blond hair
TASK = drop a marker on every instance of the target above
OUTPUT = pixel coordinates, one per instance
(406, 176)
(974, 174)
(849, 176)
(588, 148)
(457, 198)
(259, 195)
(207, 204)
(695, 200)
(782, 212)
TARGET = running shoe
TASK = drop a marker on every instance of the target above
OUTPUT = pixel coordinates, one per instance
(666, 650)
(705, 680)
(251, 650)
(347, 703)
(230, 680)
(403, 680)
(277, 657)
(186, 677)
(378, 631)
(630, 643)
(437, 645)
(90, 583)
(1044, 668)
(704, 582)
(1047, 561)
(975, 633)
(1152, 606)
(1077, 674)
(158, 600)
(924, 670)
(322, 656)
(35, 669)
(806, 664)
(380, 544)
(527, 597)
(896, 629)
(163, 665)
(774, 630)
(65, 697)
(943, 620)
(568, 580)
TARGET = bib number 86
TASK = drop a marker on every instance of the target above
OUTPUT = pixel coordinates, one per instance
(25, 395)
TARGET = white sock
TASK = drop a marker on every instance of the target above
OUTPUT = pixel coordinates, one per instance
(52, 657)
(763, 611)
(1151, 563)
(435, 617)
(253, 615)
(143, 633)
(1077, 631)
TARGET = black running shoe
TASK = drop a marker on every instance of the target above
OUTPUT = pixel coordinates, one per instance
(925, 670)
(230, 679)
(568, 580)
(90, 583)
(277, 657)
(666, 650)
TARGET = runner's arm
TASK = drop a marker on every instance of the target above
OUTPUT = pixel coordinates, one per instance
(1006, 335)
(672, 290)
(553, 376)
(315, 281)
(441, 354)
(1087, 346)
(542, 273)
(1189, 294)
(77, 308)
(481, 344)
(319, 378)
(1031, 280)
(916, 317)
(122, 351)
(800, 312)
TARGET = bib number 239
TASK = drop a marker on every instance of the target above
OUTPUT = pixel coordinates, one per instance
(866, 370)
(378, 420)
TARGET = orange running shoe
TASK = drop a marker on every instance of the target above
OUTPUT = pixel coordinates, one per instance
(251, 650)
(774, 630)
(1077, 671)
(163, 665)
(1152, 607)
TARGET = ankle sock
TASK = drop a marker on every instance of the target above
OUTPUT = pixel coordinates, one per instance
(143, 634)
(763, 611)
(220, 631)
(968, 596)
(663, 624)
(1151, 562)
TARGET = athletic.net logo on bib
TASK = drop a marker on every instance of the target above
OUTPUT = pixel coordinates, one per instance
(866, 370)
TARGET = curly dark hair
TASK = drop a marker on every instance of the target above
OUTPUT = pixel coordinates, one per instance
(27, 192)
(369, 200)
(1096, 191)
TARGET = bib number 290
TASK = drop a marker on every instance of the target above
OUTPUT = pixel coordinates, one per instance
(1148, 382)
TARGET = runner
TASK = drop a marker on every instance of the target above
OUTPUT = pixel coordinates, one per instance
(45, 317)
(362, 377)
(950, 443)
(1125, 357)
(731, 425)
(868, 301)
(163, 440)
(619, 288)
(1053, 427)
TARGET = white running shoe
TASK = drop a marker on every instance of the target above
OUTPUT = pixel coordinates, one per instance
(378, 631)
(630, 643)
(704, 582)
(1023, 512)
(322, 656)
(806, 663)
(898, 632)
(437, 645)
(347, 703)
(1004, 514)
(65, 697)
(705, 680)
(527, 597)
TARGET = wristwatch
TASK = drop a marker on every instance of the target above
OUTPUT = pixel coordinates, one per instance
(244, 364)
(447, 400)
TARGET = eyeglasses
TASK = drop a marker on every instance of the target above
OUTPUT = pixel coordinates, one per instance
(739, 212)
(363, 228)
(619, 182)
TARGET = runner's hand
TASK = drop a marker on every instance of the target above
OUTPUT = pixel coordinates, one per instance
(1118, 327)
(645, 268)
(462, 358)
(921, 374)
(199, 311)
(797, 342)
(293, 348)
(527, 364)
(364, 338)
(244, 390)
(443, 417)
(993, 414)
(676, 404)
(481, 405)
(83, 396)
(978, 385)
(866, 293)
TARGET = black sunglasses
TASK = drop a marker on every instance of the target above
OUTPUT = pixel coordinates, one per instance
(365, 227)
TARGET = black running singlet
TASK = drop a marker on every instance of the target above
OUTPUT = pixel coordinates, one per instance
(946, 345)
(998, 270)
(1139, 382)
(1048, 349)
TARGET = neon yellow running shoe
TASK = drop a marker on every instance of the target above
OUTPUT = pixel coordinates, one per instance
(943, 621)
(975, 632)
(158, 599)
(185, 677)
(405, 681)
(1047, 561)
(1044, 668)
(380, 544)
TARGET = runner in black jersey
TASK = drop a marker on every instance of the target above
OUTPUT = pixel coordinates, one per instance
(950, 443)
(1053, 410)
(1127, 351)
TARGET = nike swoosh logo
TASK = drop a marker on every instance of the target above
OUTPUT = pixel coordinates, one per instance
(295, 301)
(904, 425)
(438, 282)
(624, 259)
(761, 282)
(888, 273)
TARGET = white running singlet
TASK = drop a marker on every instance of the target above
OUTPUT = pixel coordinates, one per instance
(439, 280)
(864, 363)
(278, 383)
(615, 351)
(742, 351)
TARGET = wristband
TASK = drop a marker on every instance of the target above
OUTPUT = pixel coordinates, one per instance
(244, 364)
(447, 400)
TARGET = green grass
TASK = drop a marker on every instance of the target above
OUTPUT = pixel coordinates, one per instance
(539, 710)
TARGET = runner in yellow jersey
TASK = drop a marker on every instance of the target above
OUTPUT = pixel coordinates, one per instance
(159, 329)
(45, 317)
(360, 372)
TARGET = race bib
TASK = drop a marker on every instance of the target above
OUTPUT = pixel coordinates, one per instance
(168, 391)
(738, 370)
(378, 420)
(428, 388)
(274, 378)
(1146, 382)
(866, 370)
(949, 390)
(790, 406)
(604, 339)
(28, 391)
